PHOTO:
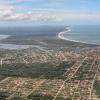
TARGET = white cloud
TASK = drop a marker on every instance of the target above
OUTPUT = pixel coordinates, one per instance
(8, 13)
(5, 11)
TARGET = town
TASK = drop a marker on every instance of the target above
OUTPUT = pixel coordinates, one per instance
(32, 74)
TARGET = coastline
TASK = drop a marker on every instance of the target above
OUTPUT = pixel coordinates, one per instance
(4, 36)
(61, 36)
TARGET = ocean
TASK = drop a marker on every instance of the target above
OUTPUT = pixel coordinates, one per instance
(84, 34)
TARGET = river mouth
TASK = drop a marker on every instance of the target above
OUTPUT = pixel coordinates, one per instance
(13, 46)
(16, 46)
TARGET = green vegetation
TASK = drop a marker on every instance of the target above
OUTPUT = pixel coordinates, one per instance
(46, 97)
(36, 70)
(54, 42)
(4, 95)
(40, 97)
(84, 70)
(97, 88)
(17, 98)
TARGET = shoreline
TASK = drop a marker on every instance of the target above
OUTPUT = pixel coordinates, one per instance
(4, 36)
(61, 36)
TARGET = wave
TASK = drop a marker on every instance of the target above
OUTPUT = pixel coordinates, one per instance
(61, 36)
(4, 36)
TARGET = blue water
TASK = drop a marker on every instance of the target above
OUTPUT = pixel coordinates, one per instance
(88, 34)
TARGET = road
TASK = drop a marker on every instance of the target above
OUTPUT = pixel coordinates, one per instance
(69, 78)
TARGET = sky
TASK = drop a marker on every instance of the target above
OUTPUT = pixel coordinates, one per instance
(31, 12)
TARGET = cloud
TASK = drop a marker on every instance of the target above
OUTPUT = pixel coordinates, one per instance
(9, 13)
(5, 11)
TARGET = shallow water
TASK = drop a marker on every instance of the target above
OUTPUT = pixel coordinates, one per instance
(13, 46)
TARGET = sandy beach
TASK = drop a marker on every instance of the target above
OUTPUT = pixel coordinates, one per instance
(61, 36)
